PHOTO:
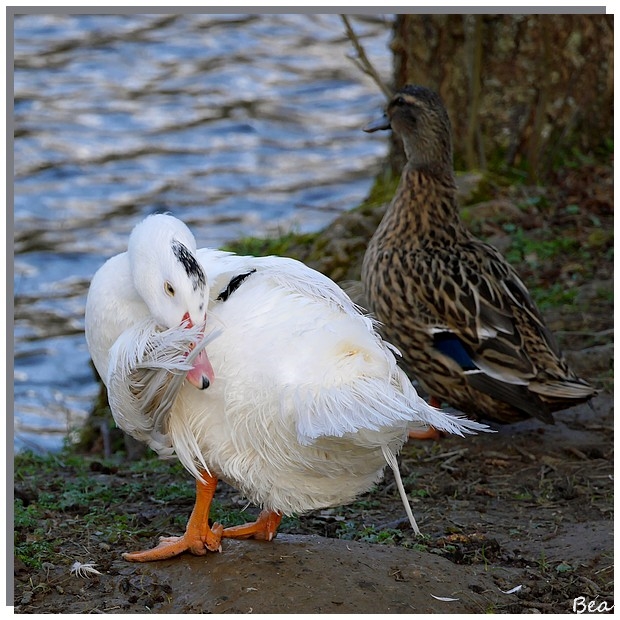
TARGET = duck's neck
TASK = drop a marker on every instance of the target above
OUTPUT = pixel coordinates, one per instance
(425, 203)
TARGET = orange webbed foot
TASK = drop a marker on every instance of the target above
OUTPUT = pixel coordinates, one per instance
(430, 433)
(264, 528)
(198, 538)
(170, 546)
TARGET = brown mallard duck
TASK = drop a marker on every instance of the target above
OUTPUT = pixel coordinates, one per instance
(464, 321)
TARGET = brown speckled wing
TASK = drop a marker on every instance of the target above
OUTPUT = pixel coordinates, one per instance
(478, 297)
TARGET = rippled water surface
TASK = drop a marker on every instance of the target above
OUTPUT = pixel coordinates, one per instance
(238, 124)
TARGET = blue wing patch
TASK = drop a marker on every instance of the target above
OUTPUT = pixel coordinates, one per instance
(451, 346)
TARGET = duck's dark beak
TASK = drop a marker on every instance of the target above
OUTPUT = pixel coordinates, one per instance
(378, 125)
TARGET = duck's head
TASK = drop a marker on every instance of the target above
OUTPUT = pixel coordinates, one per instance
(170, 280)
(418, 116)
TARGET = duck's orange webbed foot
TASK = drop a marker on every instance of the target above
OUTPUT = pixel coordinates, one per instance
(198, 538)
(431, 433)
(170, 546)
(264, 528)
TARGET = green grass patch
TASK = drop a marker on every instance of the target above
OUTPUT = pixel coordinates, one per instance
(65, 496)
(349, 530)
(554, 296)
(286, 244)
(534, 250)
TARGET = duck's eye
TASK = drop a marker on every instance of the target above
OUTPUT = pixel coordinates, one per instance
(169, 289)
(201, 306)
(399, 101)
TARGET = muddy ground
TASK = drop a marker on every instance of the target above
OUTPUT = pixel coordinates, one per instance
(518, 521)
(529, 507)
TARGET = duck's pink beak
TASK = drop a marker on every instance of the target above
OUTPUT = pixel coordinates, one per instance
(201, 375)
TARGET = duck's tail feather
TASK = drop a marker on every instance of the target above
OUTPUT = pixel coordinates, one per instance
(393, 463)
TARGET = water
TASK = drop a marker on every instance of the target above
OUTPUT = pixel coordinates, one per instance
(238, 124)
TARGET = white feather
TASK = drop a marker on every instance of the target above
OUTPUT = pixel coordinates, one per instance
(393, 463)
(147, 370)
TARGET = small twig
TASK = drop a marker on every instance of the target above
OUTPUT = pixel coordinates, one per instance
(447, 455)
(362, 61)
(527, 455)
(594, 587)
(537, 605)
(447, 464)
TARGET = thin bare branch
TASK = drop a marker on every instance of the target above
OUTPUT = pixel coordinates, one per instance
(361, 61)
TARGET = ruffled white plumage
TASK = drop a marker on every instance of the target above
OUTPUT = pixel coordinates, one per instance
(308, 404)
(147, 370)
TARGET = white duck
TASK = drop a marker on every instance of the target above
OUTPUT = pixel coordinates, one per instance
(302, 403)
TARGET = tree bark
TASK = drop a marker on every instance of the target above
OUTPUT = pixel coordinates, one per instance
(521, 90)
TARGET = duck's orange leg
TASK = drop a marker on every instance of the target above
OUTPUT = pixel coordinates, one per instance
(198, 537)
(264, 528)
(431, 432)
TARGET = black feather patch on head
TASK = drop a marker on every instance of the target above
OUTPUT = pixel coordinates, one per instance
(192, 267)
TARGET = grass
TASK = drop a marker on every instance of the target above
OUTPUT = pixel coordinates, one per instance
(557, 295)
(96, 501)
(554, 265)
(538, 250)
(94, 494)
(350, 530)
(286, 244)
(543, 563)
(50, 486)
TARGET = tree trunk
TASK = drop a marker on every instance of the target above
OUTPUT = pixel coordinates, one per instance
(521, 90)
